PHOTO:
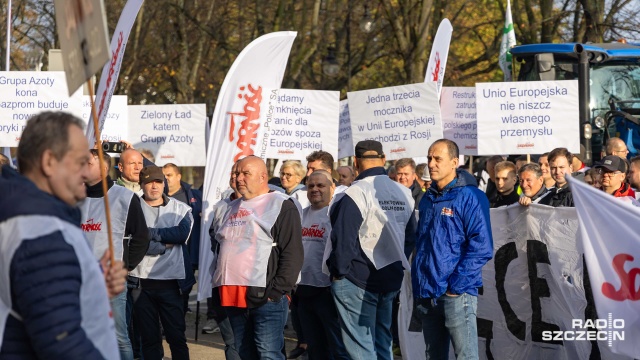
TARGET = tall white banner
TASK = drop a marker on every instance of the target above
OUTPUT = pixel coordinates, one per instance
(405, 119)
(116, 125)
(345, 140)
(174, 133)
(609, 237)
(508, 41)
(534, 303)
(458, 107)
(111, 70)
(238, 125)
(529, 117)
(26, 93)
(303, 121)
(439, 54)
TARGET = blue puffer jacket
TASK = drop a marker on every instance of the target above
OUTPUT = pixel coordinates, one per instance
(453, 240)
(45, 280)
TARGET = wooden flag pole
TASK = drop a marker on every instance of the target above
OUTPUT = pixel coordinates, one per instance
(528, 158)
(471, 164)
(103, 175)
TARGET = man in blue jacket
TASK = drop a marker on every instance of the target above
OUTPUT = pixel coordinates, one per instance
(454, 242)
(53, 299)
(372, 222)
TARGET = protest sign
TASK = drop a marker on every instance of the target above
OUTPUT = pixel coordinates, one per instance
(82, 31)
(302, 121)
(345, 140)
(530, 117)
(458, 107)
(405, 119)
(174, 133)
(116, 126)
(533, 292)
(26, 93)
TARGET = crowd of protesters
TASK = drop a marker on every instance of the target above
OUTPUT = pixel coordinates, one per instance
(327, 245)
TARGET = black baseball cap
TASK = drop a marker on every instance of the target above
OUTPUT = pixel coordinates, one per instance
(613, 163)
(367, 146)
(151, 173)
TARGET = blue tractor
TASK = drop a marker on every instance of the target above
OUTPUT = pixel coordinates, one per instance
(609, 87)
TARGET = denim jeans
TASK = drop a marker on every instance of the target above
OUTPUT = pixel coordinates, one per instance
(119, 310)
(219, 314)
(259, 332)
(365, 320)
(164, 305)
(449, 318)
(319, 320)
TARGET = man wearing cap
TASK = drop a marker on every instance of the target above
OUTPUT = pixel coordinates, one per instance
(614, 171)
(371, 222)
(170, 222)
(454, 243)
(259, 259)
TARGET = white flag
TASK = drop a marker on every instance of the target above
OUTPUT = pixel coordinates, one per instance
(609, 236)
(439, 54)
(508, 41)
(238, 126)
(111, 69)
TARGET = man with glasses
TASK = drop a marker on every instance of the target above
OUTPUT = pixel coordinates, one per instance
(614, 172)
(634, 174)
(615, 146)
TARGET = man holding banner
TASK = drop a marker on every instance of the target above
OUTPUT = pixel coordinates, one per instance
(454, 242)
(560, 164)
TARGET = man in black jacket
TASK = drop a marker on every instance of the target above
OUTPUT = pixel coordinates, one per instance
(560, 160)
(506, 180)
(258, 262)
(129, 229)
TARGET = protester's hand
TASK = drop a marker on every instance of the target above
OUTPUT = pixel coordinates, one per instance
(115, 275)
(524, 200)
(126, 144)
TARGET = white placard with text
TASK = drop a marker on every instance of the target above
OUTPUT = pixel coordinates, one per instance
(26, 93)
(345, 139)
(116, 125)
(302, 121)
(173, 133)
(458, 107)
(405, 119)
(531, 117)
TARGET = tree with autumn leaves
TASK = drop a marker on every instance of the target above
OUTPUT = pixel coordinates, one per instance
(180, 50)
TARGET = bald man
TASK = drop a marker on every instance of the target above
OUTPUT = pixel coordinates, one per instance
(259, 260)
(130, 164)
(615, 146)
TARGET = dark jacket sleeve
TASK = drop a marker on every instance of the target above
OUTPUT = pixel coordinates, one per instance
(345, 225)
(287, 233)
(410, 235)
(136, 227)
(176, 234)
(45, 290)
